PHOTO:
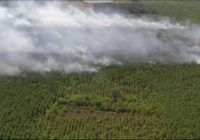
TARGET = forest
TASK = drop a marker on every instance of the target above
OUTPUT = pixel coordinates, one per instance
(118, 101)
(123, 102)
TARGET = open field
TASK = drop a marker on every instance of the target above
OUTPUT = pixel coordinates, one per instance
(181, 10)
(185, 10)
(132, 101)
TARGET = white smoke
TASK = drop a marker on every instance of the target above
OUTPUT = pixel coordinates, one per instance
(50, 37)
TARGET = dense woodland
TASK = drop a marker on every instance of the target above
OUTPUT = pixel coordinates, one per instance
(131, 101)
(119, 101)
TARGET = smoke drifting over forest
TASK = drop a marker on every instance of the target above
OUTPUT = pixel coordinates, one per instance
(43, 37)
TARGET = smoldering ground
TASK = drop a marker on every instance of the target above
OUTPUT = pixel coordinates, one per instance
(43, 37)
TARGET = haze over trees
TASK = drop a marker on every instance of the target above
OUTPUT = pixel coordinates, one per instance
(116, 101)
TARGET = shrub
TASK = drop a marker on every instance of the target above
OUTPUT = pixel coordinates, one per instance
(116, 96)
(62, 101)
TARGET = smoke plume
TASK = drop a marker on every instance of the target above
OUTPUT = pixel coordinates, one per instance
(43, 37)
